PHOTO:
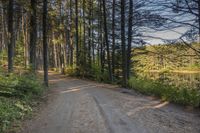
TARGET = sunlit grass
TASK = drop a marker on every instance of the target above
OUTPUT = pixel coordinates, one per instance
(180, 95)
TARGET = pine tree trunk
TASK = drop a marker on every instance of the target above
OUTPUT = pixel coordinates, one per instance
(124, 66)
(102, 59)
(33, 35)
(106, 41)
(113, 37)
(84, 36)
(77, 36)
(45, 44)
(130, 32)
(89, 37)
(199, 18)
(71, 37)
(11, 36)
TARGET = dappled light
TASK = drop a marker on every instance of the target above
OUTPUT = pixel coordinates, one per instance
(146, 107)
(72, 90)
(99, 66)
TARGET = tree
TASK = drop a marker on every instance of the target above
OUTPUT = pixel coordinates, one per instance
(45, 44)
(77, 35)
(130, 32)
(106, 41)
(11, 36)
(123, 44)
(33, 34)
(113, 36)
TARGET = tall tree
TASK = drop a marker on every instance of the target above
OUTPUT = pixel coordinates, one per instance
(130, 32)
(45, 44)
(107, 41)
(199, 17)
(11, 36)
(113, 36)
(71, 35)
(33, 34)
(123, 43)
(77, 35)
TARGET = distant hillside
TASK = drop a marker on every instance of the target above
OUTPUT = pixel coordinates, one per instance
(166, 57)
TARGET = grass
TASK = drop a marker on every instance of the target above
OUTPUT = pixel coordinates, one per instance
(18, 94)
(181, 95)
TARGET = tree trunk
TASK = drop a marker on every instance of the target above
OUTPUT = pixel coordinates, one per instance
(11, 36)
(89, 37)
(71, 37)
(124, 66)
(45, 44)
(84, 37)
(33, 35)
(199, 18)
(130, 32)
(106, 41)
(113, 37)
(77, 36)
(102, 59)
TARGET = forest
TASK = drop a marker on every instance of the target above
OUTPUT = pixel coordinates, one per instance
(151, 47)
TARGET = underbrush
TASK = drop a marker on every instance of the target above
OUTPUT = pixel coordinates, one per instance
(94, 73)
(180, 95)
(18, 94)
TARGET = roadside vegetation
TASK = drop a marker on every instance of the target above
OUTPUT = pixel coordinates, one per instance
(181, 95)
(19, 93)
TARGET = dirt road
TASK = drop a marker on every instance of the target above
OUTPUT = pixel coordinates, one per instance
(79, 106)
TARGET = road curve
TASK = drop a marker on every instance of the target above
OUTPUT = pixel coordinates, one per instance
(80, 106)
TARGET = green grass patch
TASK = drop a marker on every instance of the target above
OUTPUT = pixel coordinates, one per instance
(180, 95)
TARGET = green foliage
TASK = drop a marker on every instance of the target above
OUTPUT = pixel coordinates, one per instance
(19, 52)
(166, 57)
(12, 110)
(71, 71)
(94, 73)
(21, 86)
(184, 96)
(3, 57)
(17, 93)
(28, 86)
(98, 75)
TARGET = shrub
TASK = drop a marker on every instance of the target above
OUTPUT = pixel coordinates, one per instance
(70, 71)
(17, 93)
(28, 86)
(184, 96)
(11, 110)
(23, 86)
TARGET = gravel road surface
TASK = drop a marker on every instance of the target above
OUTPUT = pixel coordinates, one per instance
(81, 106)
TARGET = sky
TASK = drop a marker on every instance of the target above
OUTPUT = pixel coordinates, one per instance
(175, 16)
(166, 35)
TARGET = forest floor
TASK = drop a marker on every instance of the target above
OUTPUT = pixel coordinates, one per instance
(81, 106)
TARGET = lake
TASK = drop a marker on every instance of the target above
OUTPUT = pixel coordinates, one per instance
(190, 80)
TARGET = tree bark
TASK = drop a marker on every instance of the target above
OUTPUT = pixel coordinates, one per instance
(77, 36)
(199, 18)
(106, 41)
(130, 32)
(11, 35)
(113, 37)
(33, 35)
(89, 37)
(123, 43)
(45, 44)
